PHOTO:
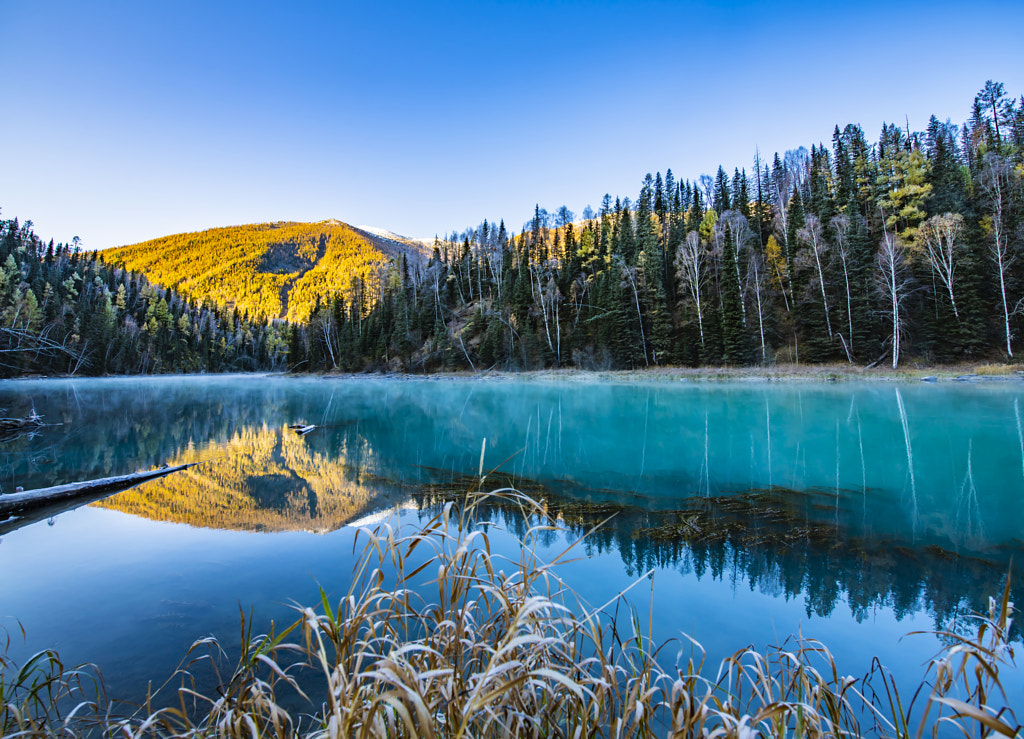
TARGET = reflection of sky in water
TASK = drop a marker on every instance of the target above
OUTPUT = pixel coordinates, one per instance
(132, 593)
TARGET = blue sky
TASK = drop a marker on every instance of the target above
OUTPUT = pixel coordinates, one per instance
(128, 120)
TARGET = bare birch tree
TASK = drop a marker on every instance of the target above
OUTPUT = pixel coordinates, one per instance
(811, 235)
(329, 334)
(894, 285)
(707, 184)
(798, 165)
(742, 236)
(782, 191)
(940, 236)
(841, 228)
(995, 180)
(631, 278)
(692, 269)
(547, 298)
(757, 282)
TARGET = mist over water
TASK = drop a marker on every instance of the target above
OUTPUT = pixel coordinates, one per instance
(863, 511)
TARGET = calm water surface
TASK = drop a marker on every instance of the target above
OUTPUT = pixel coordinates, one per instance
(855, 513)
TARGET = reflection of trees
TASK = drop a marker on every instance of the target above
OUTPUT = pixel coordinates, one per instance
(260, 479)
(769, 538)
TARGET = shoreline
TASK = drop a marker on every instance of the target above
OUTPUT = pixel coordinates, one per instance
(787, 373)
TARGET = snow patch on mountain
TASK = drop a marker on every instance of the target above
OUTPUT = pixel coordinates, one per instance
(384, 233)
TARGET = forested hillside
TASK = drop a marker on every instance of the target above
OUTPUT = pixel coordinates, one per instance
(64, 311)
(267, 270)
(851, 251)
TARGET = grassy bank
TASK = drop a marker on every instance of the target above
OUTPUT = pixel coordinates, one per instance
(836, 372)
(438, 637)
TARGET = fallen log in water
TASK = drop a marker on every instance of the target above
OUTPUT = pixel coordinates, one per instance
(18, 503)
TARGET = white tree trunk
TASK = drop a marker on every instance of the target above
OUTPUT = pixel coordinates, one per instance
(893, 285)
(995, 179)
(690, 258)
(811, 234)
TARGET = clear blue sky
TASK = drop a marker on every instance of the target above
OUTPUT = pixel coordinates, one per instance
(126, 120)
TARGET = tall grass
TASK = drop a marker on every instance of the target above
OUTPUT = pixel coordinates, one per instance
(438, 636)
(44, 698)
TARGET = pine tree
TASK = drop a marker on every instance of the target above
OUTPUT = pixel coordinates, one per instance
(651, 279)
(843, 170)
(695, 214)
(722, 201)
(660, 203)
(741, 193)
(822, 203)
(948, 192)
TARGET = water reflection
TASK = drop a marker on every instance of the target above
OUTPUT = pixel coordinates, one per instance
(263, 479)
(771, 538)
(904, 495)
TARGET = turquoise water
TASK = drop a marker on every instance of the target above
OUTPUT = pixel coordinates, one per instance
(901, 503)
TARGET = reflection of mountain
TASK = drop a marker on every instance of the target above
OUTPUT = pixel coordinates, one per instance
(260, 479)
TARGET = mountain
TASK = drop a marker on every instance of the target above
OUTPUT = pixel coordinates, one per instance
(266, 270)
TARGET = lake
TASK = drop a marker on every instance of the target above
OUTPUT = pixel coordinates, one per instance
(854, 513)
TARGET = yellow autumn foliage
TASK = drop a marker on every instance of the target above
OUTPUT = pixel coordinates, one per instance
(266, 270)
(260, 479)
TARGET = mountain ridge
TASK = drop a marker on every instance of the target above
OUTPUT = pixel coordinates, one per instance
(273, 270)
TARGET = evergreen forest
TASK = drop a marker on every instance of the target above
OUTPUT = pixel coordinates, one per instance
(908, 248)
(64, 311)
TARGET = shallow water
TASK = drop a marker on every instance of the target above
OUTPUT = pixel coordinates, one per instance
(855, 513)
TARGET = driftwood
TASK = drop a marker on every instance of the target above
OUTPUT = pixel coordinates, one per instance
(13, 428)
(30, 421)
(302, 429)
(16, 504)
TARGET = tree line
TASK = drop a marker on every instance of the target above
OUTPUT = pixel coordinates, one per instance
(857, 251)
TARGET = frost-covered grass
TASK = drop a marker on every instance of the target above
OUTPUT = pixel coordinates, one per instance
(795, 373)
(438, 636)
(997, 369)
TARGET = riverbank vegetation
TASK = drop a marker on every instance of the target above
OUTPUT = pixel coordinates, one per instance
(437, 636)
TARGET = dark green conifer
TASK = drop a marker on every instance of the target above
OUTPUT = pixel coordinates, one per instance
(948, 194)
(695, 214)
(661, 204)
(741, 192)
(722, 201)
